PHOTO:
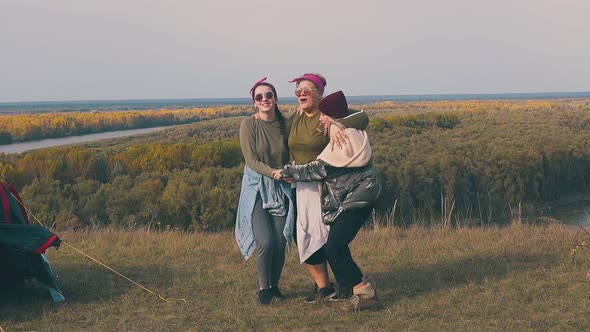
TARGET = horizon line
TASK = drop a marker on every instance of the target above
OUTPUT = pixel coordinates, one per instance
(293, 97)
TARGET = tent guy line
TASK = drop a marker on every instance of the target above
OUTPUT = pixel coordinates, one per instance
(118, 273)
(90, 257)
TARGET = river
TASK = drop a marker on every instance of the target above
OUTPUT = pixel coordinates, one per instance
(51, 142)
(577, 212)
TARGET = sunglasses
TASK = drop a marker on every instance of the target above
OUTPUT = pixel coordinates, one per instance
(268, 95)
(304, 91)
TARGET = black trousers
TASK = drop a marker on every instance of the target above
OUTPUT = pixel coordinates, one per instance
(336, 250)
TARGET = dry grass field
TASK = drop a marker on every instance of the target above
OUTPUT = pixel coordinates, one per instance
(513, 278)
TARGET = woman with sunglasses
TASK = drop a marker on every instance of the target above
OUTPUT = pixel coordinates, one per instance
(306, 142)
(350, 187)
(266, 210)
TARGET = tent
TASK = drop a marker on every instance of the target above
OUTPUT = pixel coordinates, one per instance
(22, 245)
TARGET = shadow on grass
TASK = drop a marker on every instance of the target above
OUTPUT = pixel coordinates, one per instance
(82, 283)
(416, 280)
(412, 281)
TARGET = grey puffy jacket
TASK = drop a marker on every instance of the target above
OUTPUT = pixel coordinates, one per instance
(343, 188)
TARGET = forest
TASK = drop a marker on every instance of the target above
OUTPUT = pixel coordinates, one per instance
(21, 127)
(457, 163)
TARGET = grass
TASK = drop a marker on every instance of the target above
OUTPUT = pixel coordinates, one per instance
(514, 278)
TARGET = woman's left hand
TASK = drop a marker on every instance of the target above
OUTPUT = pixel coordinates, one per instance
(337, 136)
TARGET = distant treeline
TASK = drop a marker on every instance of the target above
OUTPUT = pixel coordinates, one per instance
(441, 162)
(190, 186)
(35, 126)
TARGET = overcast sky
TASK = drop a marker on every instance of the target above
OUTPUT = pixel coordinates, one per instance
(145, 49)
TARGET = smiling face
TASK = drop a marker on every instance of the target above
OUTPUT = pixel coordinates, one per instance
(266, 105)
(310, 96)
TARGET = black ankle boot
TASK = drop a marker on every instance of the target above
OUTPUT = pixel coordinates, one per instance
(265, 296)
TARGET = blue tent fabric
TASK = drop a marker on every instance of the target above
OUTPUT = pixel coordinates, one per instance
(22, 247)
(28, 238)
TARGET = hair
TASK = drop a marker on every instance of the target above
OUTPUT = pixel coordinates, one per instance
(279, 115)
(318, 75)
(282, 125)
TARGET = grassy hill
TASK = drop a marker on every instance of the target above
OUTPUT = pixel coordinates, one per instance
(514, 278)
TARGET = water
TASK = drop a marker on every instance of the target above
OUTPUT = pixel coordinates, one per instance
(575, 213)
(118, 105)
(51, 142)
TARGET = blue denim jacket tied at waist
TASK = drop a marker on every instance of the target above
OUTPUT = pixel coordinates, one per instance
(276, 196)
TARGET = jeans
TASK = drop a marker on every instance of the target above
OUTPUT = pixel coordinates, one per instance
(270, 245)
(336, 250)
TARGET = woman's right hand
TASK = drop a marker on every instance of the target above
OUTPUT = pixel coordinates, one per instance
(277, 174)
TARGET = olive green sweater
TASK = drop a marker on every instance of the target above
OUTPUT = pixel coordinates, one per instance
(263, 146)
(307, 140)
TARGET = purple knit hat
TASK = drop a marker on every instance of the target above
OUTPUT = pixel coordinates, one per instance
(334, 105)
